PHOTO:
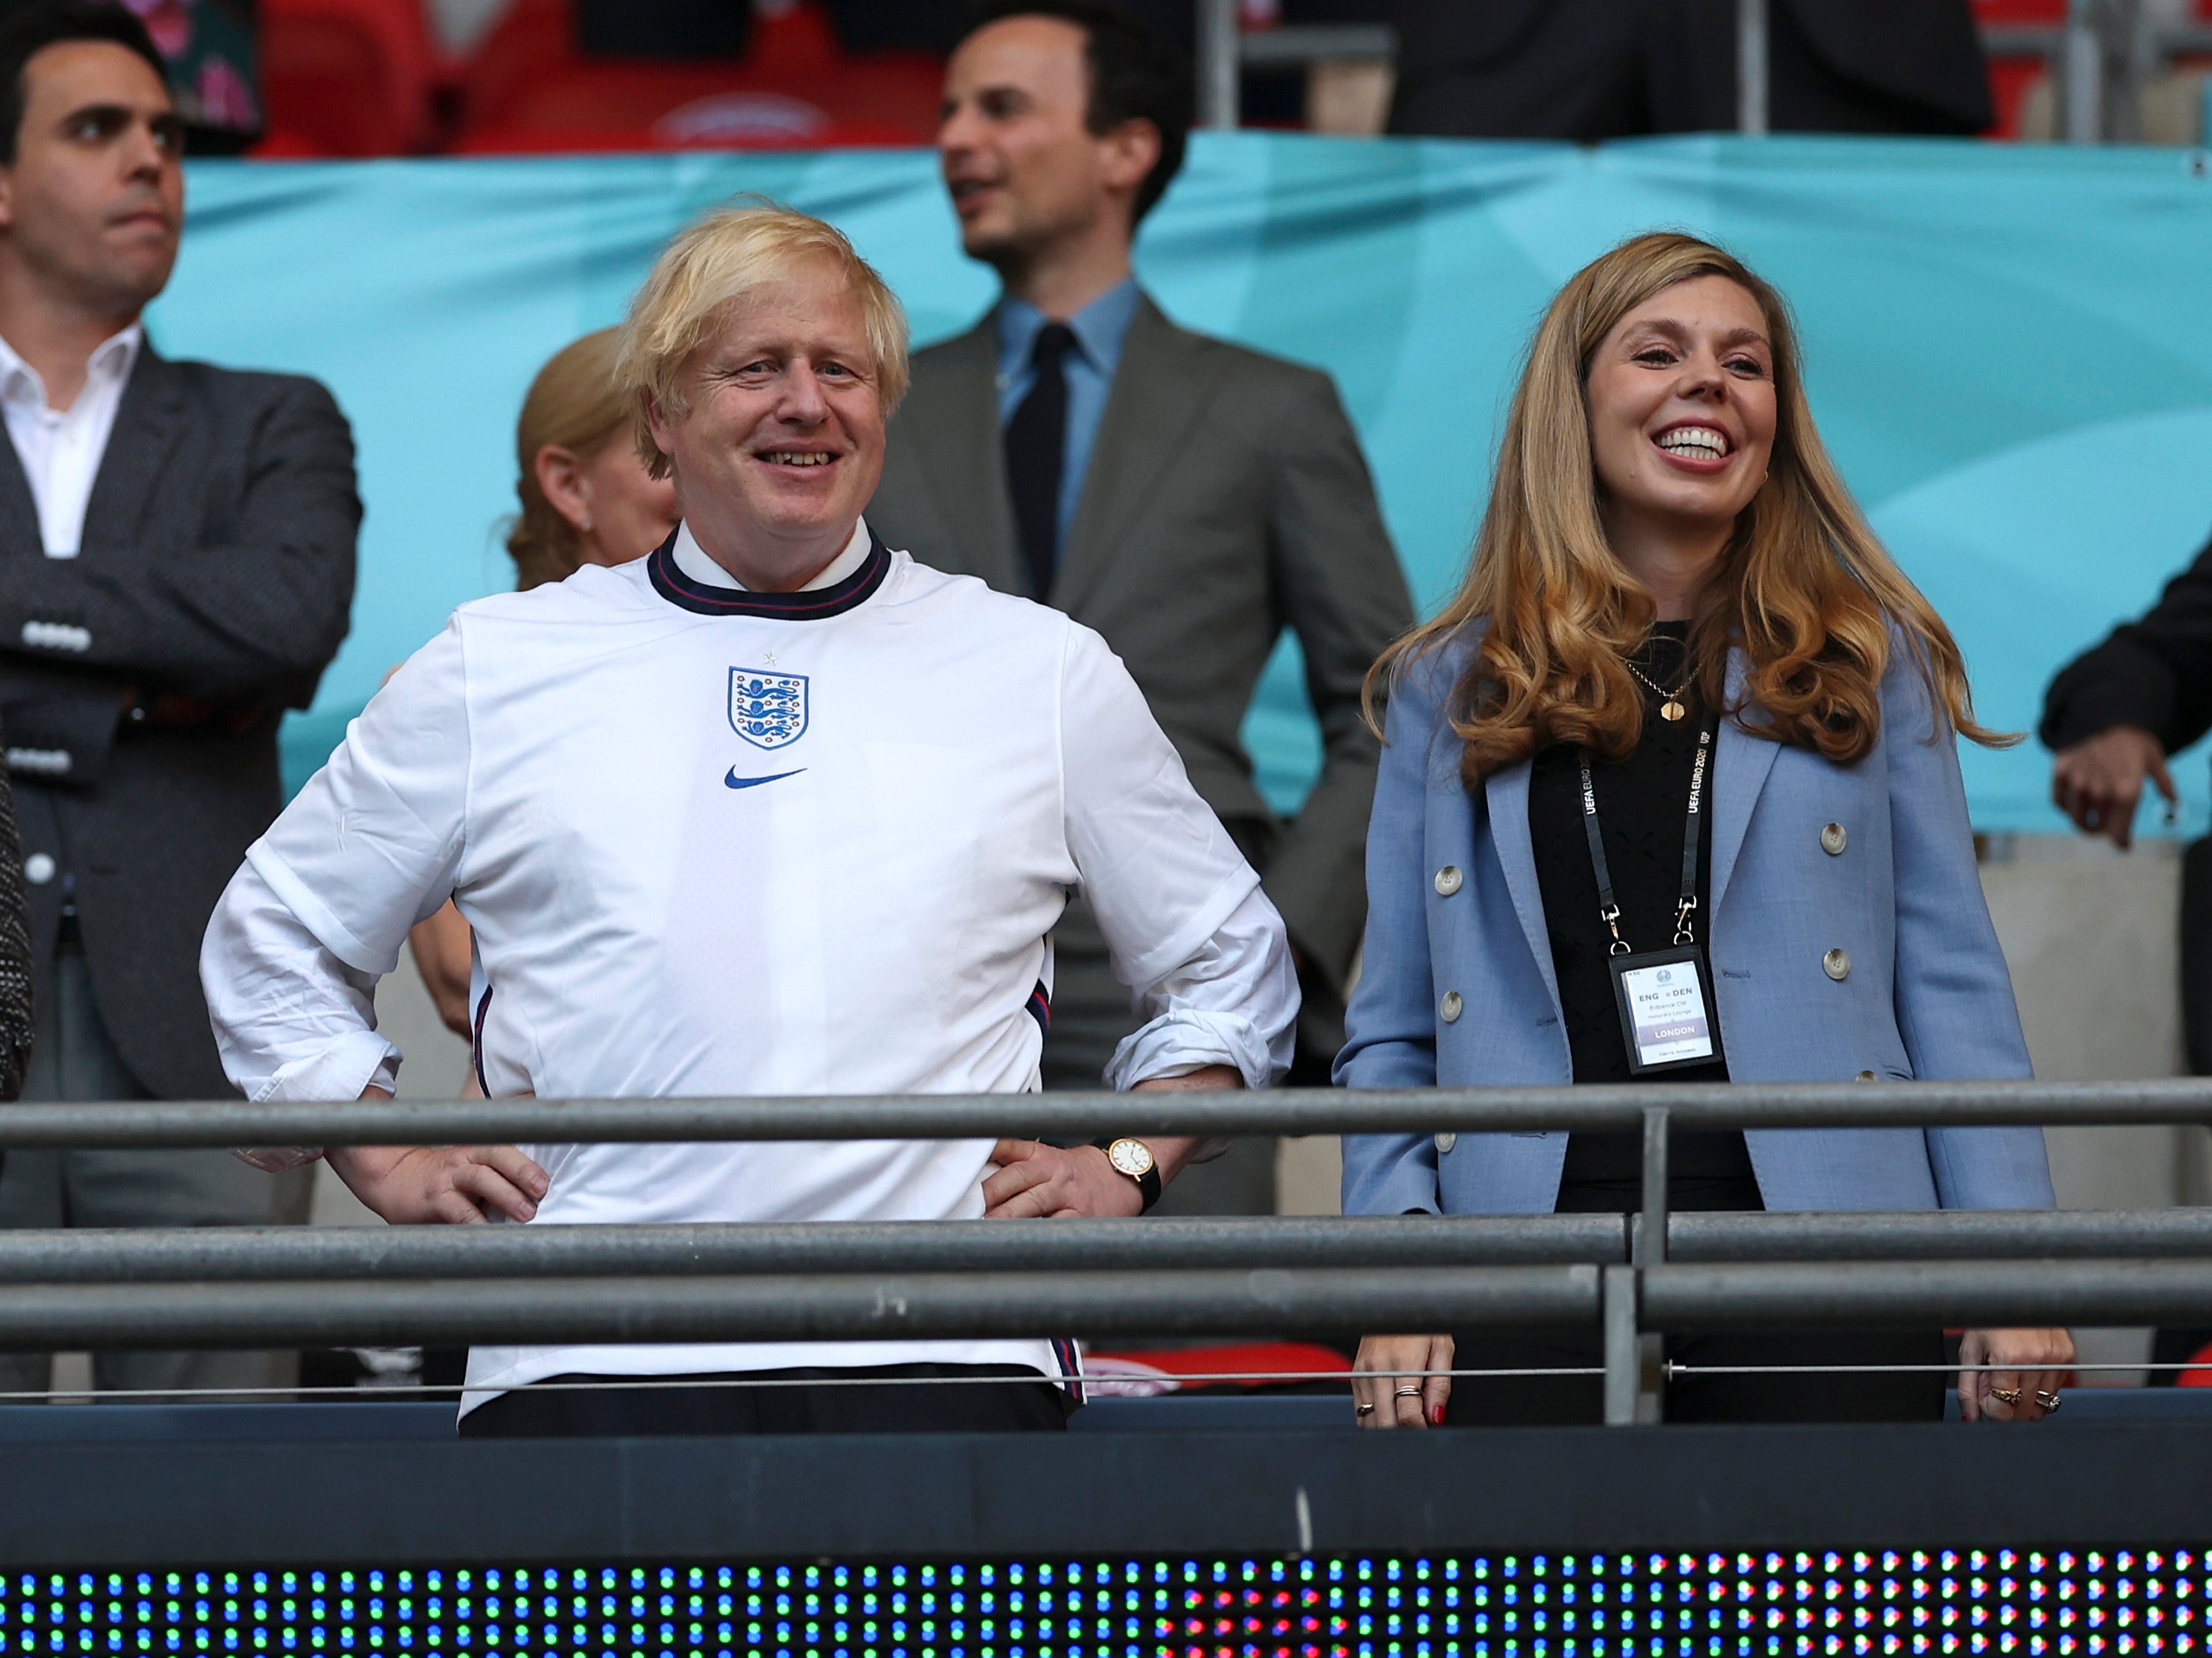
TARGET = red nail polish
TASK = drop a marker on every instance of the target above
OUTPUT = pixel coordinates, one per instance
(1435, 1416)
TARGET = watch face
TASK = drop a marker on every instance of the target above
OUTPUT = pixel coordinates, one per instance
(1133, 1157)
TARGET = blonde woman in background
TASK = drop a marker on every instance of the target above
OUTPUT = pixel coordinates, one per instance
(587, 499)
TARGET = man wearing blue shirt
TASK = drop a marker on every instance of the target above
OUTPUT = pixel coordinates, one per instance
(1186, 498)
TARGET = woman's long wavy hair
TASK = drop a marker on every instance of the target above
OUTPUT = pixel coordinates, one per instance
(1803, 587)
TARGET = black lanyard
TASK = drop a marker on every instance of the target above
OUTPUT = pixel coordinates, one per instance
(1609, 907)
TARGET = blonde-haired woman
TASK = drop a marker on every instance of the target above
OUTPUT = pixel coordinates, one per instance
(587, 498)
(1671, 790)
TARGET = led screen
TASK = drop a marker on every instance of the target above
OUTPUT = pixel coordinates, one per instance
(2028, 1601)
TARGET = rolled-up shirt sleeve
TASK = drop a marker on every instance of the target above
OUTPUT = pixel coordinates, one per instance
(316, 916)
(292, 1021)
(1235, 1002)
(1205, 954)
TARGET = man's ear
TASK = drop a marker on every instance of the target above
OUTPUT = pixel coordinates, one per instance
(1133, 150)
(658, 423)
(7, 198)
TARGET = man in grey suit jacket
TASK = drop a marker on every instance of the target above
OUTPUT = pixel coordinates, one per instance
(176, 567)
(1186, 497)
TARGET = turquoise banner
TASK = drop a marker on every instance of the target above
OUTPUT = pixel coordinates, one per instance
(2009, 348)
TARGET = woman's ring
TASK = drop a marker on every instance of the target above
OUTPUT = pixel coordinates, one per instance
(1408, 1393)
(2049, 1401)
(1362, 1410)
(2005, 1395)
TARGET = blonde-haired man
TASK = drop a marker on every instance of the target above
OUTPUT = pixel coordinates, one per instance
(773, 811)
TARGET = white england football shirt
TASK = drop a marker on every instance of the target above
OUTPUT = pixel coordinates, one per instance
(720, 843)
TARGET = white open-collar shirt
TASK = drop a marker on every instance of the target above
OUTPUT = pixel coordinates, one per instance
(61, 449)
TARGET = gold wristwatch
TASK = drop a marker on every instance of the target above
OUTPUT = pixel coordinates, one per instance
(1135, 1158)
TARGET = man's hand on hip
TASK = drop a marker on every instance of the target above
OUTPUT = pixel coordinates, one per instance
(457, 1184)
(1033, 1180)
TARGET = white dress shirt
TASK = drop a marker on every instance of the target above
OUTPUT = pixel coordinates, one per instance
(61, 449)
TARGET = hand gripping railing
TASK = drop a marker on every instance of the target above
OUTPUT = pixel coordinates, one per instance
(1633, 1276)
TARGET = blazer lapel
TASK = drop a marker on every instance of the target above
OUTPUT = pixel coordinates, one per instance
(1507, 794)
(1740, 762)
(1162, 388)
(147, 426)
(20, 536)
(964, 459)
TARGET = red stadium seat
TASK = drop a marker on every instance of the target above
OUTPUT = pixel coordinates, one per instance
(346, 77)
(2012, 78)
(2010, 82)
(1262, 1364)
(535, 37)
(2200, 1375)
(531, 91)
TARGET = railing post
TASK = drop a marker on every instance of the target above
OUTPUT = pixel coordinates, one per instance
(1650, 1240)
(1752, 93)
(1218, 68)
(2081, 75)
(1623, 1361)
(1648, 1248)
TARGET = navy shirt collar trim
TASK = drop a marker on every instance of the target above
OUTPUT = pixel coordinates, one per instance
(815, 604)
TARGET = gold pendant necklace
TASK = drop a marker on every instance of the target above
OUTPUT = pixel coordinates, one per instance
(1670, 703)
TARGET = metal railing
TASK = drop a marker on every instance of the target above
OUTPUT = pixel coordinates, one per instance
(1754, 94)
(1078, 1116)
(1631, 1277)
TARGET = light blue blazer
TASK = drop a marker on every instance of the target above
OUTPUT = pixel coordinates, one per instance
(1926, 994)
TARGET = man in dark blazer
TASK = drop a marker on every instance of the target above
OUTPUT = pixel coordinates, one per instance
(1587, 70)
(1186, 498)
(2111, 718)
(176, 567)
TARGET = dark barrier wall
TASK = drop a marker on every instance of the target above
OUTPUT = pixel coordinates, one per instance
(1548, 1543)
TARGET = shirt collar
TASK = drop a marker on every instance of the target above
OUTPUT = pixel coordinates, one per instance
(693, 560)
(111, 362)
(1099, 329)
(717, 595)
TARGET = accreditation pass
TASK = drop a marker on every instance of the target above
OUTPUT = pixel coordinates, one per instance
(1663, 1008)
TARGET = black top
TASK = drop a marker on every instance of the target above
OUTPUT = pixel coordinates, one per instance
(1641, 802)
(2155, 672)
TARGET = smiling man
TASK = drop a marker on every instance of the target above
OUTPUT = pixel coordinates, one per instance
(176, 566)
(773, 811)
(1189, 498)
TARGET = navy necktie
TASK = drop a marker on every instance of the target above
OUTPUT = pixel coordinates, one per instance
(1036, 452)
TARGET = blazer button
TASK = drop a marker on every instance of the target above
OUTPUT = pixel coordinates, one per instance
(1452, 1006)
(1447, 880)
(1865, 1077)
(1833, 840)
(1836, 965)
(1446, 1140)
(39, 869)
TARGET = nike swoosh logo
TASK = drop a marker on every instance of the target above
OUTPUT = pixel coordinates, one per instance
(737, 782)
